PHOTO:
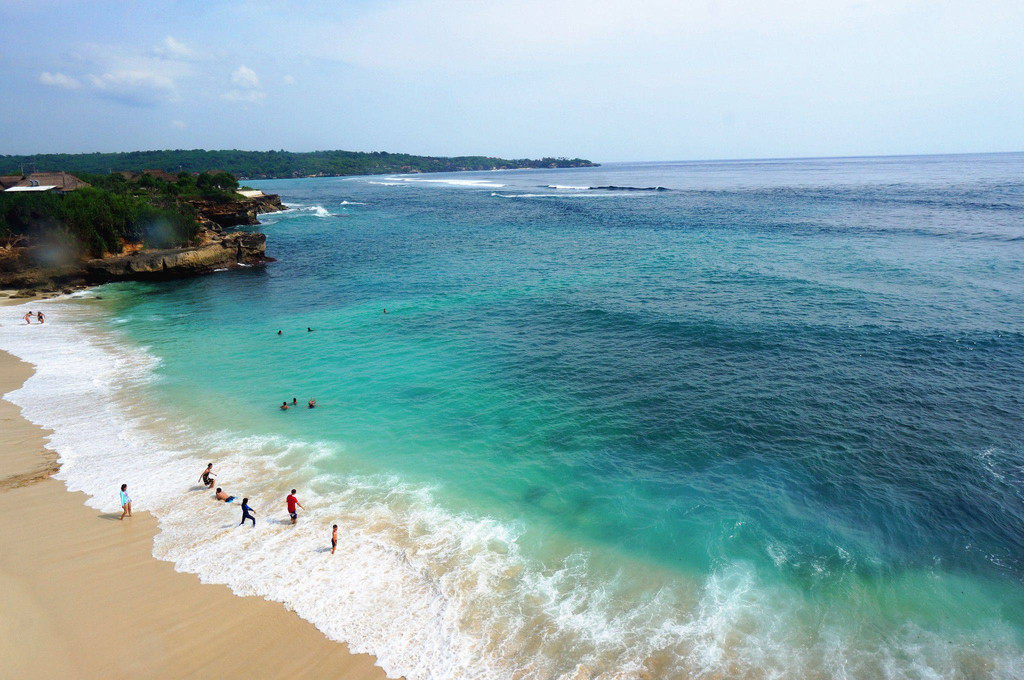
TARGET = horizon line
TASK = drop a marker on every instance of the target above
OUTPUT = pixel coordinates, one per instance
(735, 159)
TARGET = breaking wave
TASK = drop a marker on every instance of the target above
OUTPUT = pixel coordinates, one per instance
(433, 594)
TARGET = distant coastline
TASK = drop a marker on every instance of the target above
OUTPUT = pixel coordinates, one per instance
(273, 164)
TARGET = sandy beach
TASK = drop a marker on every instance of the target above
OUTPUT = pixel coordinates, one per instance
(82, 596)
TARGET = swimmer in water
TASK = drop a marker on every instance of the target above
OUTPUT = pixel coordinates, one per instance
(312, 403)
(284, 405)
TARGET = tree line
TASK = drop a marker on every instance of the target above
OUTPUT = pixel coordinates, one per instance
(270, 164)
(113, 212)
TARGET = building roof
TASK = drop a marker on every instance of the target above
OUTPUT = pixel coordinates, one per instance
(156, 174)
(162, 174)
(61, 181)
(38, 187)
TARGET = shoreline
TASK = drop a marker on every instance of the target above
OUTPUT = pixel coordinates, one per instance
(87, 598)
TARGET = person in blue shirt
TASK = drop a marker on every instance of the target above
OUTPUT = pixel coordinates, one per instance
(126, 502)
(247, 513)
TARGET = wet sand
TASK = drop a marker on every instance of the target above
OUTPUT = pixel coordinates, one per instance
(81, 595)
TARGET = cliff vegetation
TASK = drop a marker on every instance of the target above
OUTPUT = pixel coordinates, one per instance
(273, 164)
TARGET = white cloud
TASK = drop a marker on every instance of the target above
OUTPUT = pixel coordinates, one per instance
(244, 76)
(140, 77)
(539, 35)
(178, 124)
(59, 80)
(247, 87)
(174, 49)
(139, 85)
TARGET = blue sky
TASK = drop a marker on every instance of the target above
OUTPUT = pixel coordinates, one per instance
(639, 80)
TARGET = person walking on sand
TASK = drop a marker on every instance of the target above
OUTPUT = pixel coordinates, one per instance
(292, 501)
(334, 538)
(126, 502)
(247, 513)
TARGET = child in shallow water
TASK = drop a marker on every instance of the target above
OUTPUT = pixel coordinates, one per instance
(247, 513)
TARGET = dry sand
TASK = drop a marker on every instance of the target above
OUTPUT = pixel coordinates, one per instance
(81, 595)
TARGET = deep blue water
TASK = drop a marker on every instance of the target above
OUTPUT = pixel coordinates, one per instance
(810, 372)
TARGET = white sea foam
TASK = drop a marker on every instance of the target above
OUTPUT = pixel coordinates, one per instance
(435, 595)
(298, 208)
(567, 186)
(351, 203)
(451, 182)
(570, 195)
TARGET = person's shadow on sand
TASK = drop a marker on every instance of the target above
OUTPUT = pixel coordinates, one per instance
(115, 516)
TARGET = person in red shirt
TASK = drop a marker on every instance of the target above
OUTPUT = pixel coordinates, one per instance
(292, 502)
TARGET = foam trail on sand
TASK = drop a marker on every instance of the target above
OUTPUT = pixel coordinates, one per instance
(433, 594)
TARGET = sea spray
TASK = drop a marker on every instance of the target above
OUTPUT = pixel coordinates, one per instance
(432, 594)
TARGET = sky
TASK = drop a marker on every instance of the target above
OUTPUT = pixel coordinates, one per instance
(599, 79)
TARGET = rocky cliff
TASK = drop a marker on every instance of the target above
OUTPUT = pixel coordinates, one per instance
(217, 216)
(24, 271)
(32, 268)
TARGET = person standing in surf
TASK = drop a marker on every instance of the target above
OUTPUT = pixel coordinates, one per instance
(126, 502)
(334, 538)
(247, 513)
(292, 501)
(207, 478)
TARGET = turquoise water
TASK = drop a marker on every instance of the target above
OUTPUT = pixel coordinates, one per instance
(766, 423)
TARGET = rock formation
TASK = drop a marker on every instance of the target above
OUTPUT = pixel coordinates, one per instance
(32, 268)
(215, 251)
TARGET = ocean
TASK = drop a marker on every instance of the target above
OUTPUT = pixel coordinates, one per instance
(737, 419)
